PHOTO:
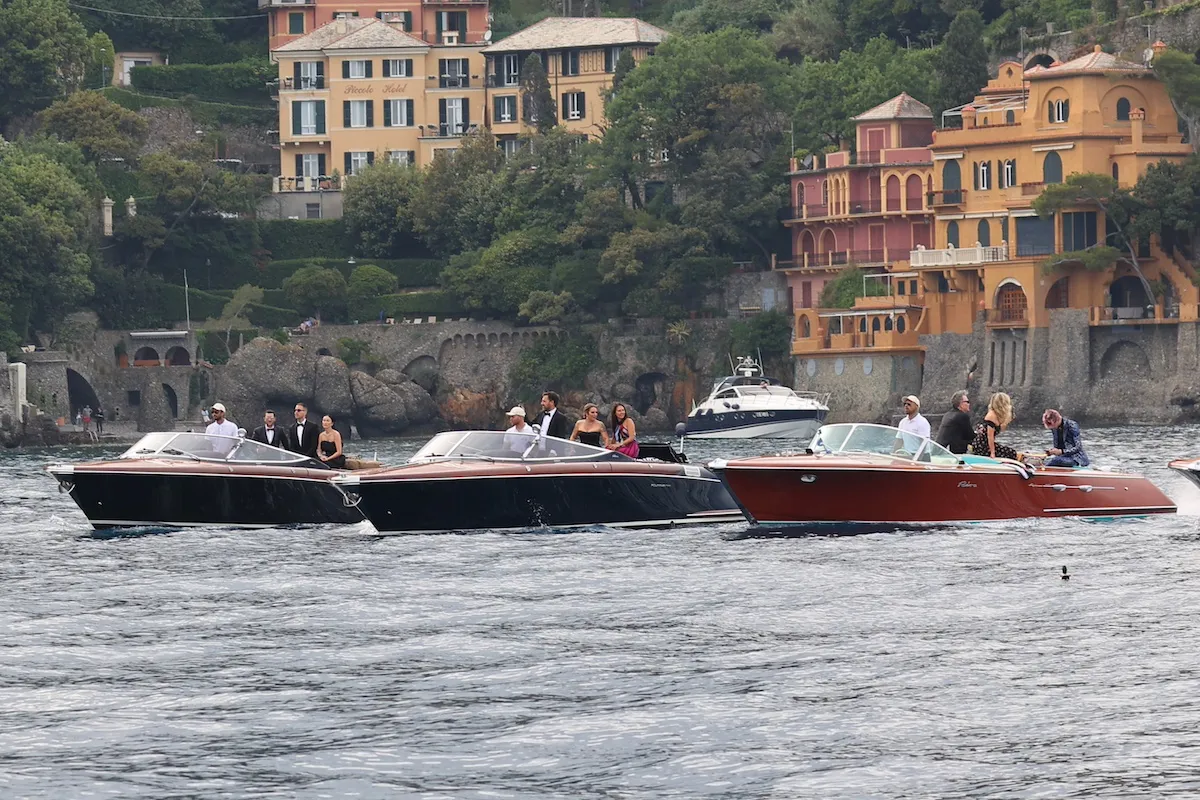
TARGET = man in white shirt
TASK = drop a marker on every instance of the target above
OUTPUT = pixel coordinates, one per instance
(221, 427)
(518, 437)
(913, 423)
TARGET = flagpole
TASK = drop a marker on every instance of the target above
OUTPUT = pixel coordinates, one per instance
(187, 301)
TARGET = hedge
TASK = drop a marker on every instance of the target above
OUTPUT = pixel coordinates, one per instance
(305, 238)
(211, 115)
(242, 82)
(411, 273)
(209, 305)
(418, 303)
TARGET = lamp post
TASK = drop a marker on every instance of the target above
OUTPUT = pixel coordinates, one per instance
(187, 301)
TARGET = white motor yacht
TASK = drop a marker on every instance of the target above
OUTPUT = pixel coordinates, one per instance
(749, 405)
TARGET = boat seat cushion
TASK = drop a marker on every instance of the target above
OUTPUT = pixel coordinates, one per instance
(974, 460)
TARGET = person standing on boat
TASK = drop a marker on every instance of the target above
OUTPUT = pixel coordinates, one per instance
(914, 423)
(590, 430)
(1068, 441)
(519, 436)
(219, 425)
(999, 416)
(550, 422)
(955, 433)
(302, 438)
(330, 440)
(623, 438)
(267, 433)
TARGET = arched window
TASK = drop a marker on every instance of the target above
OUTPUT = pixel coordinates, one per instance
(1123, 110)
(875, 325)
(1052, 168)
(1010, 173)
(952, 234)
(1058, 296)
(900, 325)
(951, 182)
(862, 324)
(1059, 110)
(1010, 117)
(799, 195)
(825, 193)
(1116, 172)
(913, 193)
(887, 324)
(893, 193)
(985, 175)
(1011, 304)
(985, 233)
(805, 328)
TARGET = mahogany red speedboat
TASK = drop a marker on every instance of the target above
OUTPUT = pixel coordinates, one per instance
(188, 479)
(490, 480)
(870, 477)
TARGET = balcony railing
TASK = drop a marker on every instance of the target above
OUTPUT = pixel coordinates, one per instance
(948, 197)
(306, 84)
(1015, 317)
(958, 256)
(280, 3)
(835, 258)
(327, 183)
(854, 208)
(1032, 189)
(1034, 249)
(867, 157)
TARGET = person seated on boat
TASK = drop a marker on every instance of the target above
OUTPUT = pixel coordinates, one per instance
(955, 433)
(221, 427)
(519, 435)
(1068, 441)
(329, 445)
(913, 428)
(999, 416)
(623, 436)
(590, 430)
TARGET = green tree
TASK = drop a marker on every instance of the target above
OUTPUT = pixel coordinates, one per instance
(233, 315)
(962, 64)
(625, 65)
(500, 277)
(101, 128)
(47, 236)
(812, 29)
(848, 286)
(541, 183)
(539, 109)
(378, 207)
(1168, 199)
(461, 197)
(769, 333)
(43, 55)
(1180, 73)
(100, 61)
(754, 16)
(368, 284)
(543, 307)
(314, 289)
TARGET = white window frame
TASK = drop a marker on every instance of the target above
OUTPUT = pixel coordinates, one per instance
(308, 117)
(358, 113)
(358, 161)
(1060, 108)
(399, 157)
(399, 112)
(511, 70)
(399, 68)
(455, 124)
(1010, 173)
(308, 75)
(985, 176)
(510, 147)
(614, 54)
(310, 166)
(510, 104)
(573, 111)
(358, 70)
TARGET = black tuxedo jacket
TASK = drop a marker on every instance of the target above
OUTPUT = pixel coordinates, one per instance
(309, 446)
(280, 440)
(559, 427)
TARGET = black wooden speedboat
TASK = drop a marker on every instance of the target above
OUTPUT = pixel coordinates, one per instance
(189, 479)
(489, 480)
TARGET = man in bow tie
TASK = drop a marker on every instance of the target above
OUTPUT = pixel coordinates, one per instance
(267, 433)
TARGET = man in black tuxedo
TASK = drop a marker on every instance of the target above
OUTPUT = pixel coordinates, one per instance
(302, 438)
(551, 422)
(267, 433)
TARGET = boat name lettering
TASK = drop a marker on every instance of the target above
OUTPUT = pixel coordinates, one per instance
(966, 485)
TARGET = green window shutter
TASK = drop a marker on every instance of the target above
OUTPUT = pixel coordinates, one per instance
(370, 157)
(296, 75)
(320, 75)
(320, 116)
(387, 68)
(497, 107)
(345, 113)
(442, 113)
(295, 119)
(387, 112)
(466, 123)
(370, 113)
(347, 171)
(346, 70)
(409, 117)
(408, 62)
(582, 104)
(369, 65)
(321, 164)
(299, 165)
(408, 21)
(412, 157)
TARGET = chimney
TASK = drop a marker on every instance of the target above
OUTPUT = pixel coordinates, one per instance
(968, 117)
(339, 25)
(106, 207)
(1137, 118)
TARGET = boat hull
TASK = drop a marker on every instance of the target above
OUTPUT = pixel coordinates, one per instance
(784, 424)
(1189, 469)
(409, 500)
(823, 492)
(138, 496)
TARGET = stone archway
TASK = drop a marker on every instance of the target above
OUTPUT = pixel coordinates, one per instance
(1040, 58)
(646, 390)
(146, 357)
(80, 392)
(423, 371)
(1125, 360)
(1128, 292)
(172, 400)
(178, 356)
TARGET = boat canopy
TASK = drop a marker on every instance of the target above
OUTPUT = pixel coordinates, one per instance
(502, 446)
(211, 447)
(850, 438)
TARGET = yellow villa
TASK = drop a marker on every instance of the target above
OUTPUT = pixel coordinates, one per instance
(1028, 128)
(580, 55)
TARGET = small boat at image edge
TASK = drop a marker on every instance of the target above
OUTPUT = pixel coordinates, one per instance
(747, 405)
(869, 477)
(491, 480)
(1188, 468)
(188, 479)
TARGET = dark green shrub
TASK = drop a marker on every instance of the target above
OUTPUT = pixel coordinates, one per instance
(305, 238)
(553, 365)
(418, 304)
(241, 82)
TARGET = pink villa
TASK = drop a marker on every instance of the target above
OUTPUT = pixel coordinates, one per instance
(866, 207)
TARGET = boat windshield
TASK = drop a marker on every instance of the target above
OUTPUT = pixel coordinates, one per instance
(210, 447)
(881, 440)
(501, 446)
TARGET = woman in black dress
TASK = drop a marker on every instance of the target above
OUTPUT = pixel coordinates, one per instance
(590, 430)
(999, 416)
(329, 445)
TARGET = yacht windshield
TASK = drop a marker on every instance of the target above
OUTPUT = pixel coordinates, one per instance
(881, 440)
(207, 447)
(501, 446)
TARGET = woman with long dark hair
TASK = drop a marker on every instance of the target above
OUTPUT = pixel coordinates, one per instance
(622, 435)
(329, 445)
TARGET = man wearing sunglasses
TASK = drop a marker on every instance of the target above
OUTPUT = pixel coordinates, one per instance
(913, 423)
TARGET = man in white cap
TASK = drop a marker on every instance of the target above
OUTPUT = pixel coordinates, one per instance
(220, 426)
(518, 437)
(913, 423)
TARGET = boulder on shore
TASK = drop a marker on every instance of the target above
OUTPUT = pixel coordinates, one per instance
(379, 411)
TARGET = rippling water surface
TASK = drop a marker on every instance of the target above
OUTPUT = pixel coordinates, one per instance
(693, 663)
